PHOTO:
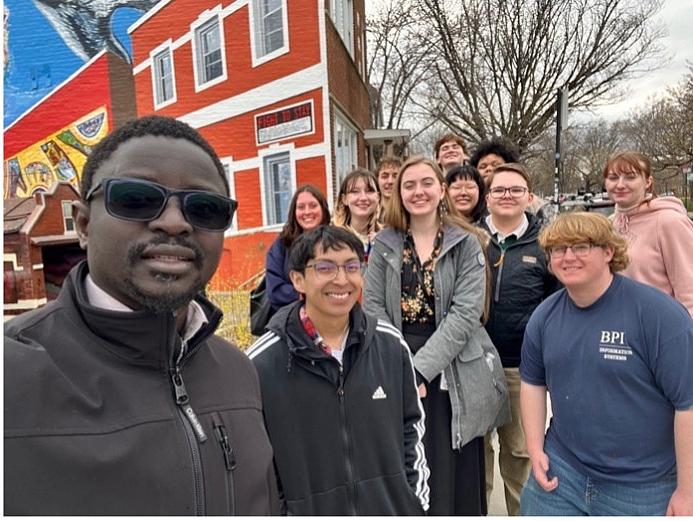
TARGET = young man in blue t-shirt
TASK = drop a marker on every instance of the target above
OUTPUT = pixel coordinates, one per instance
(616, 357)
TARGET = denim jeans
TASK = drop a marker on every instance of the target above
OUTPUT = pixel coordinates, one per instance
(580, 495)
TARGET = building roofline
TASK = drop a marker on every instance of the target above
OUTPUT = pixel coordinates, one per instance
(146, 16)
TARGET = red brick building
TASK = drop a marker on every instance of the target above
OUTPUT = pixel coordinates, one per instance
(277, 87)
(40, 246)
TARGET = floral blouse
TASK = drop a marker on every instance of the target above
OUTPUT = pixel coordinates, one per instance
(418, 294)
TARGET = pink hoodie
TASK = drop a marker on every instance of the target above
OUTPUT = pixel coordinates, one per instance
(660, 246)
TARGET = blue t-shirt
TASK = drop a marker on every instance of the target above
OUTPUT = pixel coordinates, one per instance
(616, 371)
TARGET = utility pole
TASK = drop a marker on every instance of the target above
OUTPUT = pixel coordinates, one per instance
(561, 123)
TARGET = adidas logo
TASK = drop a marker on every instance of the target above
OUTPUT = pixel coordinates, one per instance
(379, 394)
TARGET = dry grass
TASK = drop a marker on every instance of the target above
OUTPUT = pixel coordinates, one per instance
(236, 324)
(234, 302)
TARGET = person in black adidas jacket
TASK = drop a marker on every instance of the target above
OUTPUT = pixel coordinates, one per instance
(520, 282)
(339, 392)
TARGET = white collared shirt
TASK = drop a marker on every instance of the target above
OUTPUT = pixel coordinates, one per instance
(517, 232)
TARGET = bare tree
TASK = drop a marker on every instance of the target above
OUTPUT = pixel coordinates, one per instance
(396, 61)
(498, 64)
(663, 130)
(594, 143)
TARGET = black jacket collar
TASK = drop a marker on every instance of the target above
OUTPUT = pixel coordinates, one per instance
(138, 337)
(287, 324)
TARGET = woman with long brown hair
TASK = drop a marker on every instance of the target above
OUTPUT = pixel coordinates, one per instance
(308, 210)
(358, 206)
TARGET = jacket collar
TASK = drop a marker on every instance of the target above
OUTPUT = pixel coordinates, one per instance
(136, 337)
(286, 323)
(530, 234)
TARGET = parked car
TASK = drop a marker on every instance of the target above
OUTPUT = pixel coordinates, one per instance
(588, 203)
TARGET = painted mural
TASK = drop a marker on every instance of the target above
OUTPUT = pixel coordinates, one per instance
(57, 157)
(48, 40)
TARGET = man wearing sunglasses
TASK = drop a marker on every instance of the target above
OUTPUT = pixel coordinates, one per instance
(339, 392)
(616, 357)
(119, 398)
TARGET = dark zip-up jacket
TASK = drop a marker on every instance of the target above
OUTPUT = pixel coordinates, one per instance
(520, 283)
(347, 439)
(280, 290)
(99, 419)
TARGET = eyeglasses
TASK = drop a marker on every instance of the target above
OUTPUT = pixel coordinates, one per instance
(579, 250)
(329, 270)
(514, 191)
(140, 200)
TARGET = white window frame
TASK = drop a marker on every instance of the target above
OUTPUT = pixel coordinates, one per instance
(263, 155)
(257, 57)
(207, 18)
(227, 163)
(342, 14)
(66, 206)
(340, 169)
(154, 55)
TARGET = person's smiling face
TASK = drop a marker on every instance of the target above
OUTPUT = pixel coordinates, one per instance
(465, 195)
(361, 198)
(326, 296)
(577, 271)
(421, 191)
(488, 163)
(508, 206)
(308, 211)
(160, 264)
(450, 153)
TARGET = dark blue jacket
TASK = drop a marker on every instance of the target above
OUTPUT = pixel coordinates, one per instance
(279, 288)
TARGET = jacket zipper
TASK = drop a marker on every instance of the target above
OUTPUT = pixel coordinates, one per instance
(496, 296)
(229, 462)
(351, 491)
(193, 431)
(460, 404)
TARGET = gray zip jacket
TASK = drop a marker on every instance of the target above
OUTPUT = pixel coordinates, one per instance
(460, 347)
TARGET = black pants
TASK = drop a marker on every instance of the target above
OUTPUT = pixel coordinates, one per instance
(457, 481)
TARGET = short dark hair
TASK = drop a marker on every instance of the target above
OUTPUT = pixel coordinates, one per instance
(328, 237)
(498, 146)
(145, 126)
(292, 230)
(471, 173)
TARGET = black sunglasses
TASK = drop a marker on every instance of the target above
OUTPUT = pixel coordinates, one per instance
(141, 200)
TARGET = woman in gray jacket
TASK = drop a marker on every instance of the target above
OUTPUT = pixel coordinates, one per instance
(427, 277)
